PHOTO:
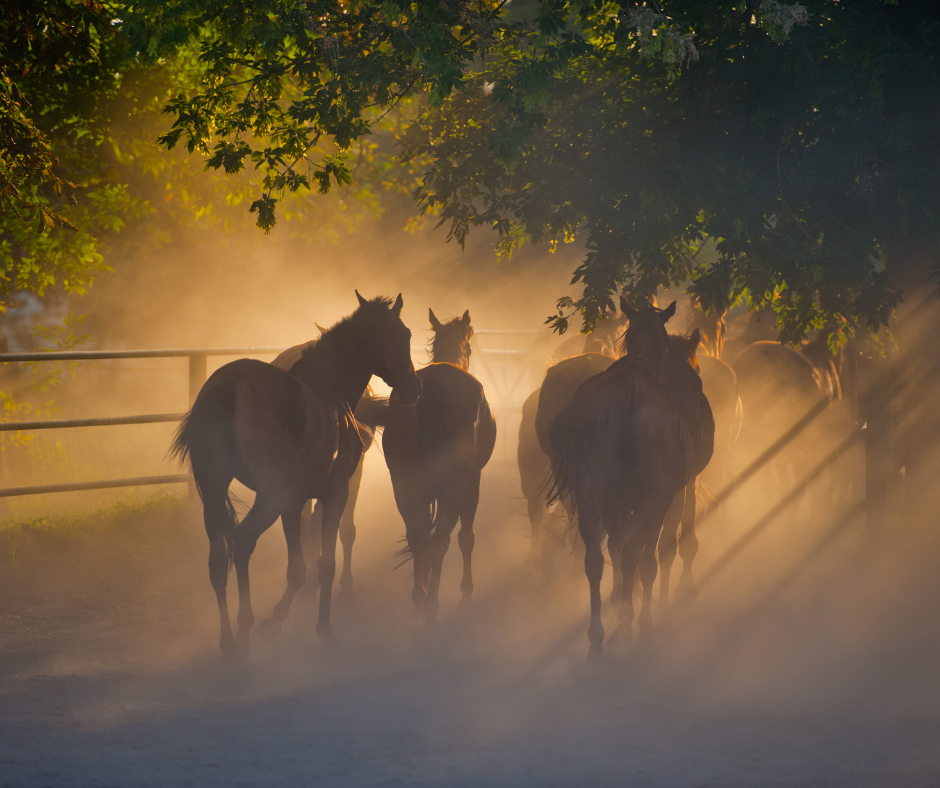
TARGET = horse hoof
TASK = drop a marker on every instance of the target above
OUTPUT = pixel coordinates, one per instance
(595, 654)
(465, 605)
(269, 630)
(330, 641)
(347, 598)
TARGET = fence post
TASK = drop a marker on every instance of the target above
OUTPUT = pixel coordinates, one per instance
(197, 377)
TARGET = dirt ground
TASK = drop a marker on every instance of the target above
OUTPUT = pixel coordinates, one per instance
(110, 673)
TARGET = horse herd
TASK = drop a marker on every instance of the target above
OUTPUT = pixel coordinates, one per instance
(620, 442)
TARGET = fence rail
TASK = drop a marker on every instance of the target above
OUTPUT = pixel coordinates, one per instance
(198, 368)
(197, 377)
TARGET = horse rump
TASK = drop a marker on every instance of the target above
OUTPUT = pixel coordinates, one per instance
(205, 429)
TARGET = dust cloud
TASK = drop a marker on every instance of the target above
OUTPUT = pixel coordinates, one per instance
(809, 657)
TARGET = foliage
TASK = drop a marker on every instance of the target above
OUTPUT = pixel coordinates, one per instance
(39, 40)
(282, 76)
(797, 137)
(793, 138)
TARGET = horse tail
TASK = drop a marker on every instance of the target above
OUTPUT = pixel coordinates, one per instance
(595, 448)
(571, 457)
(209, 422)
(372, 412)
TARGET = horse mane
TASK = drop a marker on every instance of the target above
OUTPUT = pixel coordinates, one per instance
(683, 346)
(446, 345)
(344, 334)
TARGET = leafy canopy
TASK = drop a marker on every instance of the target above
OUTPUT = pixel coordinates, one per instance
(761, 151)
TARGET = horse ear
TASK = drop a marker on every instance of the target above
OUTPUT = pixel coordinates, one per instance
(695, 337)
(362, 301)
(396, 307)
(320, 328)
(435, 323)
(628, 311)
(668, 312)
(466, 318)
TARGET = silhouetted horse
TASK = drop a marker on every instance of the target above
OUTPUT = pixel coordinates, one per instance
(288, 437)
(371, 411)
(435, 451)
(539, 411)
(624, 453)
(681, 375)
(562, 378)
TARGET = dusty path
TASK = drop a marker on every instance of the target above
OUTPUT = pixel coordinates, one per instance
(110, 676)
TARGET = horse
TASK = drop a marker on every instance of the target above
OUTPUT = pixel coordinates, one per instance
(682, 376)
(435, 451)
(623, 453)
(371, 412)
(562, 379)
(288, 437)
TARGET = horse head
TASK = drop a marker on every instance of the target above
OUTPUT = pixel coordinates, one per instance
(451, 343)
(646, 336)
(395, 366)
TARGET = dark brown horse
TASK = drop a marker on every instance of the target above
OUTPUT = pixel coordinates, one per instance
(599, 349)
(682, 376)
(288, 437)
(538, 413)
(623, 454)
(371, 412)
(436, 450)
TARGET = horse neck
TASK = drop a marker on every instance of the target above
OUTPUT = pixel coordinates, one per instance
(342, 368)
(449, 353)
(649, 354)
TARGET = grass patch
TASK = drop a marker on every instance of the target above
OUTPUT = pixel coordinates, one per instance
(126, 517)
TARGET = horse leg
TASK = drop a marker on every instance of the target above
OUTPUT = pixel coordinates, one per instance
(688, 547)
(296, 572)
(417, 517)
(594, 569)
(311, 529)
(217, 520)
(347, 533)
(648, 534)
(466, 538)
(260, 517)
(333, 505)
(616, 560)
(445, 521)
(629, 559)
(668, 544)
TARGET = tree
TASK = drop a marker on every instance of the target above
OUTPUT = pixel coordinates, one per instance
(766, 152)
(282, 77)
(40, 40)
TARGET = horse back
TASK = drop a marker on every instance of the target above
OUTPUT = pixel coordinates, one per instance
(534, 465)
(620, 440)
(285, 433)
(449, 427)
(560, 384)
